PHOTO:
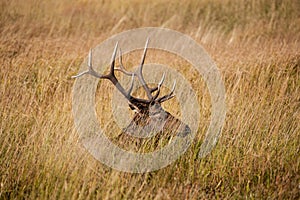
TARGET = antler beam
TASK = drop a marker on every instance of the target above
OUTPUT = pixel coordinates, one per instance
(138, 73)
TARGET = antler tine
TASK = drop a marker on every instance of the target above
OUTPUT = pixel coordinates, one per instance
(144, 54)
(159, 85)
(161, 81)
(111, 76)
(80, 74)
(139, 73)
(90, 70)
(168, 96)
(131, 86)
(122, 68)
(113, 60)
(90, 59)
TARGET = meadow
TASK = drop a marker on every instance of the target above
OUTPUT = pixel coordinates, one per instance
(256, 46)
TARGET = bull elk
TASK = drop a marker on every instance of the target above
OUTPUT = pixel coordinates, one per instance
(149, 118)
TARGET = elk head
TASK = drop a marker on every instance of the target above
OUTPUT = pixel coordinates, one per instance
(150, 117)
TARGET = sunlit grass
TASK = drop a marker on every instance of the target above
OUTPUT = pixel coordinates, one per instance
(256, 46)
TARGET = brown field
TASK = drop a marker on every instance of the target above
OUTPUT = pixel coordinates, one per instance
(255, 44)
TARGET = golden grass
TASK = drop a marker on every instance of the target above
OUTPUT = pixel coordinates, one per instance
(255, 44)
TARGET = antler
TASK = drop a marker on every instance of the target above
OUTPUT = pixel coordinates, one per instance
(138, 73)
(111, 76)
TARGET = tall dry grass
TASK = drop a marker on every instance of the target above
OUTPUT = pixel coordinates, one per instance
(254, 43)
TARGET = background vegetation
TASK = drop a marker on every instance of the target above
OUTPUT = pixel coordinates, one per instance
(255, 44)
